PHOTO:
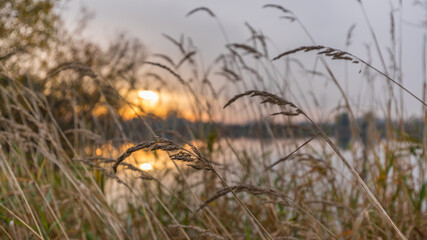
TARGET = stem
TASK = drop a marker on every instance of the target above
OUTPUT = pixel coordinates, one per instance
(359, 180)
(243, 205)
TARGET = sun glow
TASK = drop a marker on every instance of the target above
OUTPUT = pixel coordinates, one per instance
(158, 103)
(150, 96)
(146, 166)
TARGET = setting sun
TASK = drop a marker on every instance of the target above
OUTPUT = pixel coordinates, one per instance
(149, 96)
(145, 166)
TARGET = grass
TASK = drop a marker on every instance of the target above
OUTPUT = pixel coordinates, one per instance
(68, 173)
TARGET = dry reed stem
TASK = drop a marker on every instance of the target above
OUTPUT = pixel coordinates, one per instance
(263, 191)
(229, 74)
(168, 212)
(200, 231)
(246, 48)
(254, 72)
(60, 225)
(350, 35)
(22, 221)
(158, 223)
(157, 77)
(284, 10)
(76, 66)
(243, 205)
(290, 154)
(374, 36)
(27, 204)
(204, 9)
(337, 54)
(180, 79)
(6, 56)
(185, 58)
(7, 234)
(164, 57)
(175, 42)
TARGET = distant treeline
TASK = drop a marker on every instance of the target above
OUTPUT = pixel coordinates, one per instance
(340, 129)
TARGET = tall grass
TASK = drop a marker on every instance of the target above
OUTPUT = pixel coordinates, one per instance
(70, 164)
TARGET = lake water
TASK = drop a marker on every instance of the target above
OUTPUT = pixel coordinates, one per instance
(243, 160)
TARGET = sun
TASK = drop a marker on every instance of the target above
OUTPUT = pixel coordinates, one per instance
(145, 166)
(150, 96)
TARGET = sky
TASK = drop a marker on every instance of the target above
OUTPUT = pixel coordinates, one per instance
(328, 21)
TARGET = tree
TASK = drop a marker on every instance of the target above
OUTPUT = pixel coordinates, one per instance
(343, 131)
(26, 24)
(77, 77)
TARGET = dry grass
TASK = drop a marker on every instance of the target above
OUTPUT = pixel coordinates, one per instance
(68, 173)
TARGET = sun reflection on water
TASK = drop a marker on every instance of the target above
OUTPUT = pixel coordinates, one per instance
(156, 164)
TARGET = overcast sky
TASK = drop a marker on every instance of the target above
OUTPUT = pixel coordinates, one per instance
(327, 21)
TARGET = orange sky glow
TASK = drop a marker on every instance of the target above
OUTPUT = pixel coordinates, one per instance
(143, 102)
